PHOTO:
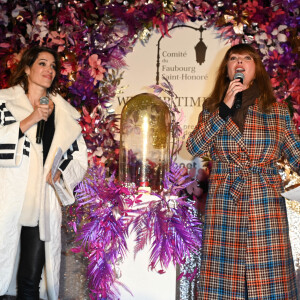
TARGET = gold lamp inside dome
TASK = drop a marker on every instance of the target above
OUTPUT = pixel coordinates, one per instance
(144, 142)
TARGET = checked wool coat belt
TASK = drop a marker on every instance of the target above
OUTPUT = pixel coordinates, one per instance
(246, 233)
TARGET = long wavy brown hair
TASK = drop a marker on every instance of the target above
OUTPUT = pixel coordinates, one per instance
(262, 79)
(28, 58)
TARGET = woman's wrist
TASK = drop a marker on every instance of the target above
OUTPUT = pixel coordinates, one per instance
(224, 111)
(26, 123)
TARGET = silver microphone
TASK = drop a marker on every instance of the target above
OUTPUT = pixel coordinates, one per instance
(239, 95)
(41, 124)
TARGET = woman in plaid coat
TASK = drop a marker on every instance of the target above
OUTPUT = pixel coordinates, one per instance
(246, 247)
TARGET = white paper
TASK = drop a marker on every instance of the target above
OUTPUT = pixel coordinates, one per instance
(56, 162)
(293, 194)
(63, 194)
(59, 187)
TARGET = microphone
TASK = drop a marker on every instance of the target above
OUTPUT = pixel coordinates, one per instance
(238, 96)
(41, 124)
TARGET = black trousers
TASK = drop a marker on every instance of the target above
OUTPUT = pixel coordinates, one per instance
(32, 260)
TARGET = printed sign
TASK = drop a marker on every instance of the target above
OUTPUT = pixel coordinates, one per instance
(175, 58)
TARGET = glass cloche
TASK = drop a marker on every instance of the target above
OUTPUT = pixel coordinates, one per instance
(144, 142)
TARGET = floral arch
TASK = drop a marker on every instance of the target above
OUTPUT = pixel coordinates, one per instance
(94, 36)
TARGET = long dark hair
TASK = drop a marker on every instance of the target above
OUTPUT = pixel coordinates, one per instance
(262, 79)
(28, 58)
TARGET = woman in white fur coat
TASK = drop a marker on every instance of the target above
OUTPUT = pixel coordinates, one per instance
(30, 201)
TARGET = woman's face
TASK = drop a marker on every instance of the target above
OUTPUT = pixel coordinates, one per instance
(241, 63)
(42, 71)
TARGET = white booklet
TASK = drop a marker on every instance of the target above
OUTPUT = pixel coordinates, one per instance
(62, 192)
(293, 194)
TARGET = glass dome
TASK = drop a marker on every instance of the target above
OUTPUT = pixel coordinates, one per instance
(144, 142)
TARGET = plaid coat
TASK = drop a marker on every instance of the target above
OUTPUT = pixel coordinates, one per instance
(246, 234)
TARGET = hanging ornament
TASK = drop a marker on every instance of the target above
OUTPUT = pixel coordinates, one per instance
(200, 48)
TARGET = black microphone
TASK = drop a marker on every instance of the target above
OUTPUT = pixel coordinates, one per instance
(239, 95)
(41, 124)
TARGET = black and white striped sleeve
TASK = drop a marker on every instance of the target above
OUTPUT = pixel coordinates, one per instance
(12, 148)
(6, 117)
(68, 156)
(73, 166)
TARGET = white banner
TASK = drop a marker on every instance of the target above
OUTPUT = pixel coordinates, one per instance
(192, 82)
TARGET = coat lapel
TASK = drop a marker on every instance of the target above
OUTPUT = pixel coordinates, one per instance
(234, 131)
(67, 128)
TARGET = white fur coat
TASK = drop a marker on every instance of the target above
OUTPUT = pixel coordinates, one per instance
(22, 174)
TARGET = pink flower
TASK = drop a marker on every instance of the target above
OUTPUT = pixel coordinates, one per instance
(69, 63)
(67, 68)
(56, 38)
(96, 69)
(4, 45)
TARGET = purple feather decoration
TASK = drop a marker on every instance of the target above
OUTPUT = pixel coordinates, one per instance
(104, 230)
(106, 209)
(170, 225)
